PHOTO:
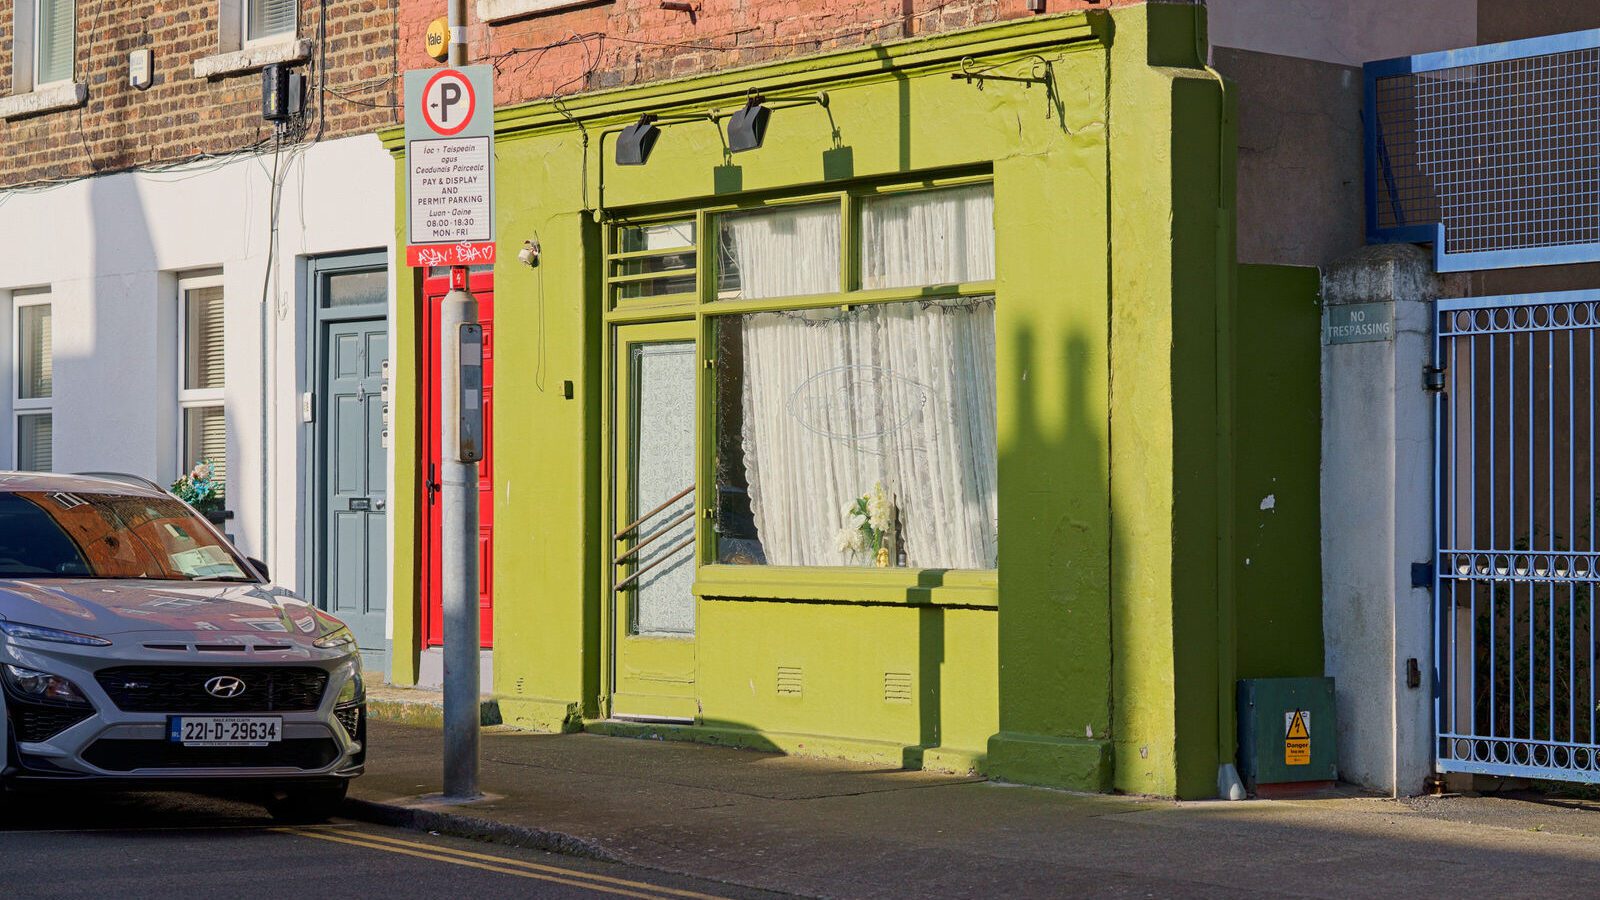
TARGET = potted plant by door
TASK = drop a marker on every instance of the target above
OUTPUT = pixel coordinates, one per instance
(200, 489)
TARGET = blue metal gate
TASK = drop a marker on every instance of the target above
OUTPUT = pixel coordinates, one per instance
(1518, 562)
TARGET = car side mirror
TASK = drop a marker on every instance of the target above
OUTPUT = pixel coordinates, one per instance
(260, 566)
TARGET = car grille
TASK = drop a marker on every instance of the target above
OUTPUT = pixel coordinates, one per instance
(350, 718)
(123, 755)
(182, 689)
(35, 722)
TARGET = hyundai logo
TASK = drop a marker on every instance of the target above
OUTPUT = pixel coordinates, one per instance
(225, 686)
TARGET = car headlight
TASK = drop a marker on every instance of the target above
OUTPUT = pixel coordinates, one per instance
(36, 633)
(35, 685)
(340, 638)
(352, 692)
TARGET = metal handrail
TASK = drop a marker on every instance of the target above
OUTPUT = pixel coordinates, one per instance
(686, 516)
(655, 562)
(634, 525)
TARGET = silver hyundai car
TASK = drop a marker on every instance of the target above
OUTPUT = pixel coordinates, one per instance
(138, 649)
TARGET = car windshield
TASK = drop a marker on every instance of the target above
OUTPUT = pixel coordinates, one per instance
(62, 534)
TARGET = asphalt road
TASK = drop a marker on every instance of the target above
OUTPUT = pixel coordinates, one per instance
(173, 846)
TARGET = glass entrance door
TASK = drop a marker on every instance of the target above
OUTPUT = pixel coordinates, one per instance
(653, 536)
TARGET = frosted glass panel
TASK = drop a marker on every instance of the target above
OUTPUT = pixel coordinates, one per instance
(663, 452)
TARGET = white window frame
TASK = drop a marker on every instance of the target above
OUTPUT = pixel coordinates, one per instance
(22, 407)
(25, 22)
(195, 398)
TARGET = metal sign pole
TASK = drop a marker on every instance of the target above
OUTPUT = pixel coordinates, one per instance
(458, 478)
(460, 403)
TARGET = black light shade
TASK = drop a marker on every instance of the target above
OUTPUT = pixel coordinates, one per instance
(747, 128)
(635, 141)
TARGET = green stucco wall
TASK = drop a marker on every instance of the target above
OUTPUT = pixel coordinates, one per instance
(1095, 660)
(1278, 441)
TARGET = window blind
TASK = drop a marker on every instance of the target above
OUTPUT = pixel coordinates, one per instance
(268, 18)
(203, 366)
(34, 442)
(57, 23)
(205, 436)
(35, 345)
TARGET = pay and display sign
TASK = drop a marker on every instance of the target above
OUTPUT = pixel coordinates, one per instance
(450, 166)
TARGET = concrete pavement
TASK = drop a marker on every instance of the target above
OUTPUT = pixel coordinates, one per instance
(823, 828)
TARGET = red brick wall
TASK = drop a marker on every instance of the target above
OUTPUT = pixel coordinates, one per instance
(623, 42)
(179, 115)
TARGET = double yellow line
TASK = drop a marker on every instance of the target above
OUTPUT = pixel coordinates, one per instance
(554, 874)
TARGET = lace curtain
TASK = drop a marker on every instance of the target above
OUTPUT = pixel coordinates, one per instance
(834, 402)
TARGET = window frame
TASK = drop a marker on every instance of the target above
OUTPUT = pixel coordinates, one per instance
(25, 407)
(964, 587)
(195, 398)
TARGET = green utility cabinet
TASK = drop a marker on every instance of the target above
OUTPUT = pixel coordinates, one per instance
(1288, 731)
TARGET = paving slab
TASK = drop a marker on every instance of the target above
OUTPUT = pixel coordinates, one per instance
(830, 829)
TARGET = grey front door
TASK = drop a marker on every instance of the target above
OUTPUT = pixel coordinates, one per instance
(352, 502)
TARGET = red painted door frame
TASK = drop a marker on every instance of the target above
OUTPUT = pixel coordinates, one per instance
(433, 291)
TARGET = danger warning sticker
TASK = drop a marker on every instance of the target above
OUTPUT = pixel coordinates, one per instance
(1297, 737)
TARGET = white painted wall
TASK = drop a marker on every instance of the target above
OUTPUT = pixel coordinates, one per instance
(1347, 32)
(1377, 512)
(110, 250)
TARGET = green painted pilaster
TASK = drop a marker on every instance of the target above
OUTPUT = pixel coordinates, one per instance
(1170, 636)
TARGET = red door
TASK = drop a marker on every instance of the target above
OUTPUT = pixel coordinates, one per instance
(434, 288)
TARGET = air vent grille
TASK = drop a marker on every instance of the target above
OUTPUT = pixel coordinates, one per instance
(897, 687)
(790, 681)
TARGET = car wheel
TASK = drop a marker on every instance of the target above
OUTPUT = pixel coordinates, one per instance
(306, 803)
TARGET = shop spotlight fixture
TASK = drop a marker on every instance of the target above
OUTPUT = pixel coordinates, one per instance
(635, 142)
(747, 128)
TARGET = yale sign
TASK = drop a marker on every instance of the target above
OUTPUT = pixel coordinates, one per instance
(437, 39)
(450, 166)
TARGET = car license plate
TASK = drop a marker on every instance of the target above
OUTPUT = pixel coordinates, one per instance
(224, 731)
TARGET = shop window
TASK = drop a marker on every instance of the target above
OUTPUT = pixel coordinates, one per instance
(928, 237)
(34, 352)
(203, 422)
(859, 433)
(781, 252)
(654, 261)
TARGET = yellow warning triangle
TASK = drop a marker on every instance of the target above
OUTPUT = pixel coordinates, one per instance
(1297, 727)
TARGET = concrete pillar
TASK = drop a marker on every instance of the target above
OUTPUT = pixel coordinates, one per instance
(1377, 518)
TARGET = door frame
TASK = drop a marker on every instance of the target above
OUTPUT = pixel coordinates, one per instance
(313, 435)
(618, 475)
(432, 289)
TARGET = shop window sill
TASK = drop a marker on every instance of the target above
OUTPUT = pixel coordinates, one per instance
(496, 11)
(915, 587)
(253, 58)
(67, 95)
